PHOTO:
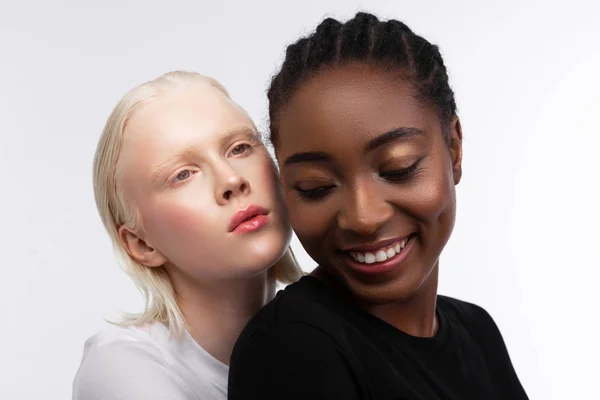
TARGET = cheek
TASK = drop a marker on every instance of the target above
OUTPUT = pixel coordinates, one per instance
(178, 224)
(296, 215)
(310, 221)
(264, 179)
(267, 176)
(433, 200)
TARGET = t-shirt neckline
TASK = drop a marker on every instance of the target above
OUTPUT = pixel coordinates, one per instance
(429, 347)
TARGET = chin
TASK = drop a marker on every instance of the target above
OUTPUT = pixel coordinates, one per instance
(386, 289)
(264, 253)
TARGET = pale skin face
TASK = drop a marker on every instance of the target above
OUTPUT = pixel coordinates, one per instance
(191, 159)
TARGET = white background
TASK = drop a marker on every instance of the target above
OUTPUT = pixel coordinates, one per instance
(525, 244)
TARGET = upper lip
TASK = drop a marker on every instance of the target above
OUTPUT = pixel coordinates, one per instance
(242, 215)
(361, 248)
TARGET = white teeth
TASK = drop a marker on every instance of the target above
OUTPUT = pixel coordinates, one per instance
(380, 255)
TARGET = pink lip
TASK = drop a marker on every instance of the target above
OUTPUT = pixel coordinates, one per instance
(381, 267)
(253, 217)
(374, 246)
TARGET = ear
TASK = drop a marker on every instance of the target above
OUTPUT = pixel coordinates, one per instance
(140, 250)
(455, 147)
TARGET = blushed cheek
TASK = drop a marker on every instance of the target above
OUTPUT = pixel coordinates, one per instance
(269, 169)
(173, 226)
(270, 186)
(269, 179)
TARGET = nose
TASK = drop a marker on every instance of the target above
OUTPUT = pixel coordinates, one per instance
(364, 211)
(229, 184)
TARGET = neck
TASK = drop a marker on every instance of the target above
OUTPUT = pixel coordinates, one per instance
(415, 316)
(216, 313)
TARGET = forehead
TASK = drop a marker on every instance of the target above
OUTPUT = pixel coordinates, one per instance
(198, 112)
(356, 102)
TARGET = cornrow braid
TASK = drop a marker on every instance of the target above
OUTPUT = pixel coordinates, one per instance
(366, 39)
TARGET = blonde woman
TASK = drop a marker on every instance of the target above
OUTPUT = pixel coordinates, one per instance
(191, 200)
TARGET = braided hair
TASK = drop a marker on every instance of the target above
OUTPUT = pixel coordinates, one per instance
(364, 39)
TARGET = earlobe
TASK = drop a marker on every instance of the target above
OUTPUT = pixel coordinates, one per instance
(139, 249)
(455, 145)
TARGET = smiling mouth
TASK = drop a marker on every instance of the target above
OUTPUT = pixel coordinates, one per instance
(383, 254)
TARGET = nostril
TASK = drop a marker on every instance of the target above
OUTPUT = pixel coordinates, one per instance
(227, 195)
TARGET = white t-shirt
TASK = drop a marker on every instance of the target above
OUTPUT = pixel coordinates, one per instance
(144, 363)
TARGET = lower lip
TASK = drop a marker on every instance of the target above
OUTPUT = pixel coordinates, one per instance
(252, 225)
(384, 266)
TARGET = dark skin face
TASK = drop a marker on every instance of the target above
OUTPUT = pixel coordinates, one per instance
(364, 164)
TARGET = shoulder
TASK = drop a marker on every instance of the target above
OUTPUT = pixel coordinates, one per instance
(471, 317)
(467, 312)
(301, 313)
(114, 342)
(306, 302)
(291, 348)
(122, 362)
(291, 360)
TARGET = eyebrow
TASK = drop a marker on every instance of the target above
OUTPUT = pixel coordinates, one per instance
(239, 131)
(391, 136)
(189, 151)
(306, 157)
(170, 161)
(383, 139)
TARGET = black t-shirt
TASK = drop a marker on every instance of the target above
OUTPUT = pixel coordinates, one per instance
(310, 344)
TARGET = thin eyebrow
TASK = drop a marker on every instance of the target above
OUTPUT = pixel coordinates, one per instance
(187, 152)
(227, 136)
(190, 150)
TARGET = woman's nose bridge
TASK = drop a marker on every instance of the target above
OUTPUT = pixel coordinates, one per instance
(229, 180)
(364, 210)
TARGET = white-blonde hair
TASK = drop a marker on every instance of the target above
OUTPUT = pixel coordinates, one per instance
(154, 282)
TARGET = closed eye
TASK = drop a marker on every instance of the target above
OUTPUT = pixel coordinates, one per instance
(401, 174)
(314, 194)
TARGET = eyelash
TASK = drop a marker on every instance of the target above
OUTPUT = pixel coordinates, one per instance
(402, 174)
(248, 148)
(173, 182)
(314, 194)
(392, 176)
